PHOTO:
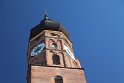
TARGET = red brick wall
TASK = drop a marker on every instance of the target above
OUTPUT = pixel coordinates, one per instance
(41, 74)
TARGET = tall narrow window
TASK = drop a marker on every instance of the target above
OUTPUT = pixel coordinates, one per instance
(58, 79)
(56, 59)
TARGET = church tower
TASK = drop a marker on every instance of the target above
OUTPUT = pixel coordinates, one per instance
(50, 55)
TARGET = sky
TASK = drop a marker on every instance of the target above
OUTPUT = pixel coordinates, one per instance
(96, 29)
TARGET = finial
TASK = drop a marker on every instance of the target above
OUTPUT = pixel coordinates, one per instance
(45, 11)
(46, 15)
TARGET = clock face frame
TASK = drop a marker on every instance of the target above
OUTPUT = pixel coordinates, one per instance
(69, 52)
(38, 49)
(54, 46)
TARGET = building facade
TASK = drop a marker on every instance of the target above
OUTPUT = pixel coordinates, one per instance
(50, 55)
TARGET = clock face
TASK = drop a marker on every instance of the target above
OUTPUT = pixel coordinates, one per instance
(36, 50)
(54, 45)
(69, 52)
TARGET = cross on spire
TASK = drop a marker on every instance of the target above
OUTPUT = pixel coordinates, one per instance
(46, 15)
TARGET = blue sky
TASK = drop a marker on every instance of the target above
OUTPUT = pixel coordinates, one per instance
(96, 29)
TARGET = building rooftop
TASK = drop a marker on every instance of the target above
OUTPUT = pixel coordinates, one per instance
(48, 24)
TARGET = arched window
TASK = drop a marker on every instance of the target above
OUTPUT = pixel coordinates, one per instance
(58, 79)
(56, 59)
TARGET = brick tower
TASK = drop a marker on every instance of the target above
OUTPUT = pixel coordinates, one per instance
(50, 55)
